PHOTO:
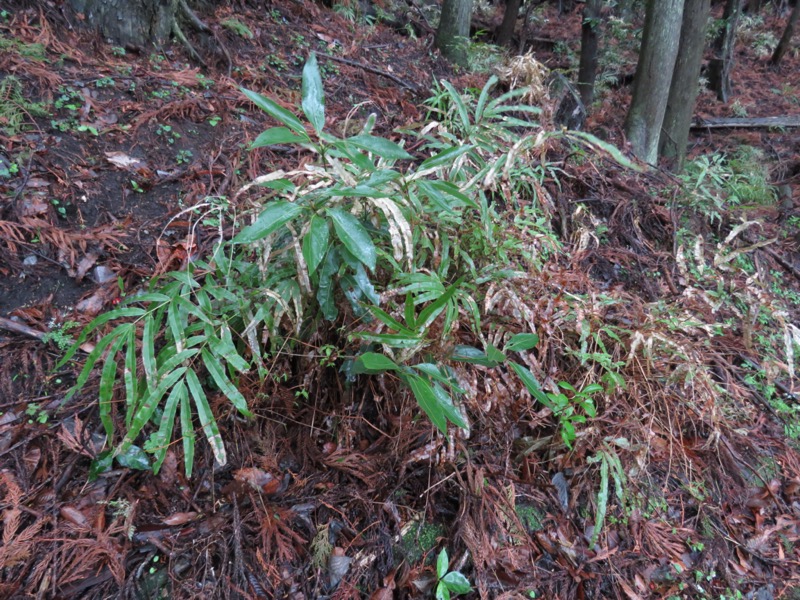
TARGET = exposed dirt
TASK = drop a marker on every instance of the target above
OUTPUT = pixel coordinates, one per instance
(99, 204)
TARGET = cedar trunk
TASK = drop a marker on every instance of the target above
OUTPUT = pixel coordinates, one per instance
(721, 65)
(653, 77)
(136, 23)
(786, 38)
(506, 31)
(685, 77)
(452, 35)
(587, 71)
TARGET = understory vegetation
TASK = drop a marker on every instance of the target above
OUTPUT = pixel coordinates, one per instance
(415, 346)
(441, 275)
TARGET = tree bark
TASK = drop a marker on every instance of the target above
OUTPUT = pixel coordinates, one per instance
(506, 31)
(684, 86)
(136, 23)
(452, 35)
(587, 71)
(721, 65)
(786, 38)
(653, 77)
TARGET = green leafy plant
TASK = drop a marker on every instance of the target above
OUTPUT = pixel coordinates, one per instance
(449, 583)
(239, 28)
(610, 469)
(183, 157)
(570, 408)
(389, 246)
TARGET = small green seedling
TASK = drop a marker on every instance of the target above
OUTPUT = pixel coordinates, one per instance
(452, 583)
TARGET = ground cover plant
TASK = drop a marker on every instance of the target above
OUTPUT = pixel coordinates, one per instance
(336, 335)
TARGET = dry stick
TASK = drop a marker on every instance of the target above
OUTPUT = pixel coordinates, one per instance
(386, 74)
(21, 329)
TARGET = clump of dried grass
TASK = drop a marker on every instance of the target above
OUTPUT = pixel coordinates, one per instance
(526, 72)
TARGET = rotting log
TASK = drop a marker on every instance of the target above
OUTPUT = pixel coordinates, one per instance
(747, 123)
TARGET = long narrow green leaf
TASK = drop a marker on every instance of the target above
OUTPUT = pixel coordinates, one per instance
(325, 289)
(277, 135)
(93, 357)
(276, 111)
(531, 384)
(393, 340)
(372, 362)
(162, 437)
(149, 352)
(430, 312)
(313, 94)
(273, 217)
(390, 321)
(148, 407)
(461, 108)
(482, 99)
(379, 146)
(120, 313)
(602, 500)
(354, 236)
(448, 408)
(105, 394)
(207, 421)
(130, 377)
(187, 427)
(469, 354)
(606, 147)
(316, 242)
(446, 157)
(224, 384)
(522, 341)
(427, 401)
(177, 325)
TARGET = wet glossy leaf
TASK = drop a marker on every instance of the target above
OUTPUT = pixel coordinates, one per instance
(272, 218)
(354, 236)
(276, 111)
(313, 94)
(316, 242)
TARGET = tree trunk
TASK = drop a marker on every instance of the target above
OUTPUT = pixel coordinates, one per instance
(685, 77)
(786, 38)
(452, 35)
(653, 77)
(720, 66)
(624, 9)
(136, 23)
(506, 31)
(587, 70)
(754, 6)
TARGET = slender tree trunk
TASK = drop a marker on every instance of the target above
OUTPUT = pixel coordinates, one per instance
(506, 31)
(653, 77)
(786, 38)
(137, 23)
(452, 35)
(624, 9)
(720, 67)
(587, 71)
(685, 77)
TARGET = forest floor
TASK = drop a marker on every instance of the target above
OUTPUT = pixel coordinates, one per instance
(104, 153)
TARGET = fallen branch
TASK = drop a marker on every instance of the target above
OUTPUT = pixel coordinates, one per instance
(382, 73)
(20, 328)
(747, 123)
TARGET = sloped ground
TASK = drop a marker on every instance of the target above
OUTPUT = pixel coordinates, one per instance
(343, 492)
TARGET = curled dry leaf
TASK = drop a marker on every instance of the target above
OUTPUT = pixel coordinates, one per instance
(180, 518)
(74, 516)
(258, 479)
